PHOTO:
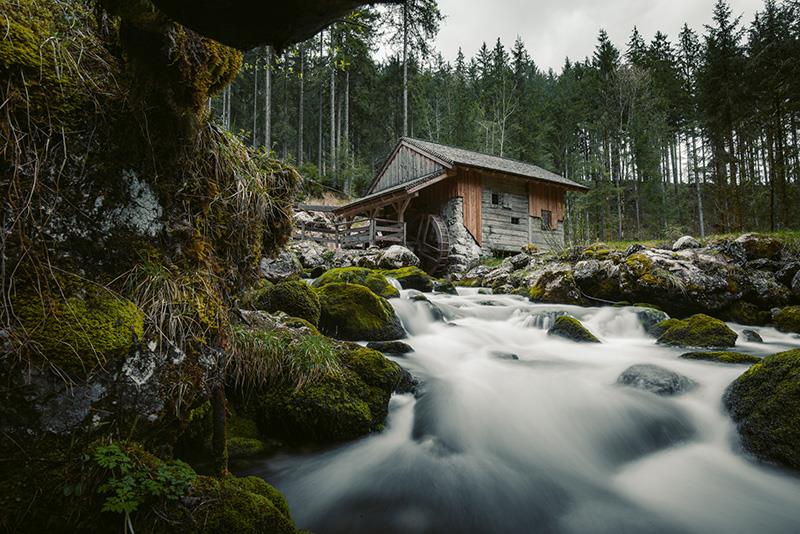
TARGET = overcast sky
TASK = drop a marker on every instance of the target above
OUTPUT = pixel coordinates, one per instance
(555, 29)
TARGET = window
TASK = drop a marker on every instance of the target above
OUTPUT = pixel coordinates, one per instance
(547, 220)
(496, 198)
(514, 220)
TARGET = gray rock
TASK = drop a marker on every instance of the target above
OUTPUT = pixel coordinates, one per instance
(752, 336)
(396, 257)
(500, 355)
(655, 379)
(390, 347)
(759, 246)
(796, 285)
(280, 268)
(649, 318)
(686, 242)
(787, 272)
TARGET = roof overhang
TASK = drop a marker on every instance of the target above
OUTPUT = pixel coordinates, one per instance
(390, 196)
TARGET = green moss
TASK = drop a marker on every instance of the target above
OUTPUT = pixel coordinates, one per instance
(241, 427)
(468, 282)
(78, 326)
(444, 286)
(555, 287)
(746, 313)
(244, 447)
(295, 298)
(412, 278)
(335, 407)
(254, 298)
(373, 367)
(353, 312)
(244, 505)
(572, 329)
(297, 322)
(696, 331)
(374, 280)
(788, 319)
(663, 326)
(765, 404)
(721, 357)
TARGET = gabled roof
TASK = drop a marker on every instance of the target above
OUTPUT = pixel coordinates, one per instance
(468, 158)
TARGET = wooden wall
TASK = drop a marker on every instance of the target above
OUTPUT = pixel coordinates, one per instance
(466, 184)
(499, 233)
(406, 165)
(546, 197)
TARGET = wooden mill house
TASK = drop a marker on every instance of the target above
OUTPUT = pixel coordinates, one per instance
(443, 201)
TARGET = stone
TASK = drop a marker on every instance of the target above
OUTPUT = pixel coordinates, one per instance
(396, 257)
(696, 331)
(281, 267)
(352, 312)
(752, 336)
(374, 280)
(649, 318)
(787, 319)
(796, 285)
(764, 402)
(465, 253)
(655, 379)
(412, 278)
(444, 286)
(501, 355)
(757, 246)
(572, 329)
(686, 242)
(390, 347)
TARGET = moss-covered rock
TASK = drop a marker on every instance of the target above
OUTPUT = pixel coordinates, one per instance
(555, 287)
(374, 280)
(444, 286)
(745, 313)
(572, 329)
(412, 278)
(757, 246)
(254, 298)
(295, 298)
(722, 357)
(353, 312)
(696, 331)
(248, 505)
(77, 326)
(788, 320)
(244, 447)
(390, 347)
(372, 367)
(765, 404)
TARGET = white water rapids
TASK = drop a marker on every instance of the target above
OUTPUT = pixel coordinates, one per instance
(546, 443)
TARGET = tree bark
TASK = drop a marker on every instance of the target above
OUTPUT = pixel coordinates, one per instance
(301, 108)
(268, 98)
(254, 137)
(405, 68)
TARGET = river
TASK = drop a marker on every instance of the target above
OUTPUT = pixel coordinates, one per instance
(545, 443)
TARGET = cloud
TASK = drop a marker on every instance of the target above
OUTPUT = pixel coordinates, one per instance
(555, 29)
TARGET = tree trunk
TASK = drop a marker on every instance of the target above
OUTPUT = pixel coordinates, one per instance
(333, 113)
(268, 98)
(301, 108)
(254, 137)
(405, 68)
(321, 101)
(698, 186)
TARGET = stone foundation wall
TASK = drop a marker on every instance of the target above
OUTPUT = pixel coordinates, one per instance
(464, 251)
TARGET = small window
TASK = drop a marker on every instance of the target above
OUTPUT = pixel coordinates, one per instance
(514, 220)
(547, 220)
(496, 198)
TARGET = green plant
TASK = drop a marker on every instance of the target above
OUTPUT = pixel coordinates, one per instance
(135, 477)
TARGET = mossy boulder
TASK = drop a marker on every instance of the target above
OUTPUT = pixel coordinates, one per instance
(696, 331)
(758, 246)
(295, 298)
(390, 347)
(650, 317)
(77, 326)
(765, 404)
(572, 329)
(788, 320)
(352, 312)
(555, 287)
(444, 286)
(374, 280)
(722, 357)
(254, 298)
(244, 505)
(412, 278)
(745, 313)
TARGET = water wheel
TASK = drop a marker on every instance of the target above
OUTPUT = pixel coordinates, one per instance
(431, 242)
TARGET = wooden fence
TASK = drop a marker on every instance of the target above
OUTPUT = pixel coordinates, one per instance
(358, 233)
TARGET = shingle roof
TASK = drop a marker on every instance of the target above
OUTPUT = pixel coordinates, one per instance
(460, 156)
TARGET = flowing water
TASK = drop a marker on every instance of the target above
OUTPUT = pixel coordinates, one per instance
(545, 443)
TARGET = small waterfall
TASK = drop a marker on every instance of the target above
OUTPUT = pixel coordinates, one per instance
(514, 428)
(395, 284)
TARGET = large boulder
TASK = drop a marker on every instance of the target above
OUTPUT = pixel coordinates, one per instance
(340, 405)
(788, 320)
(757, 246)
(555, 285)
(696, 331)
(572, 329)
(412, 278)
(396, 257)
(353, 312)
(765, 405)
(373, 280)
(722, 357)
(655, 379)
(685, 242)
(277, 269)
(295, 298)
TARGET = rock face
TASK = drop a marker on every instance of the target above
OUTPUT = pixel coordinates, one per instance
(354, 313)
(722, 357)
(696, 331)
(655, 379)
(572, 329)
(765, 404)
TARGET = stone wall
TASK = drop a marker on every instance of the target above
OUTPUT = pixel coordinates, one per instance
(464, 251)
